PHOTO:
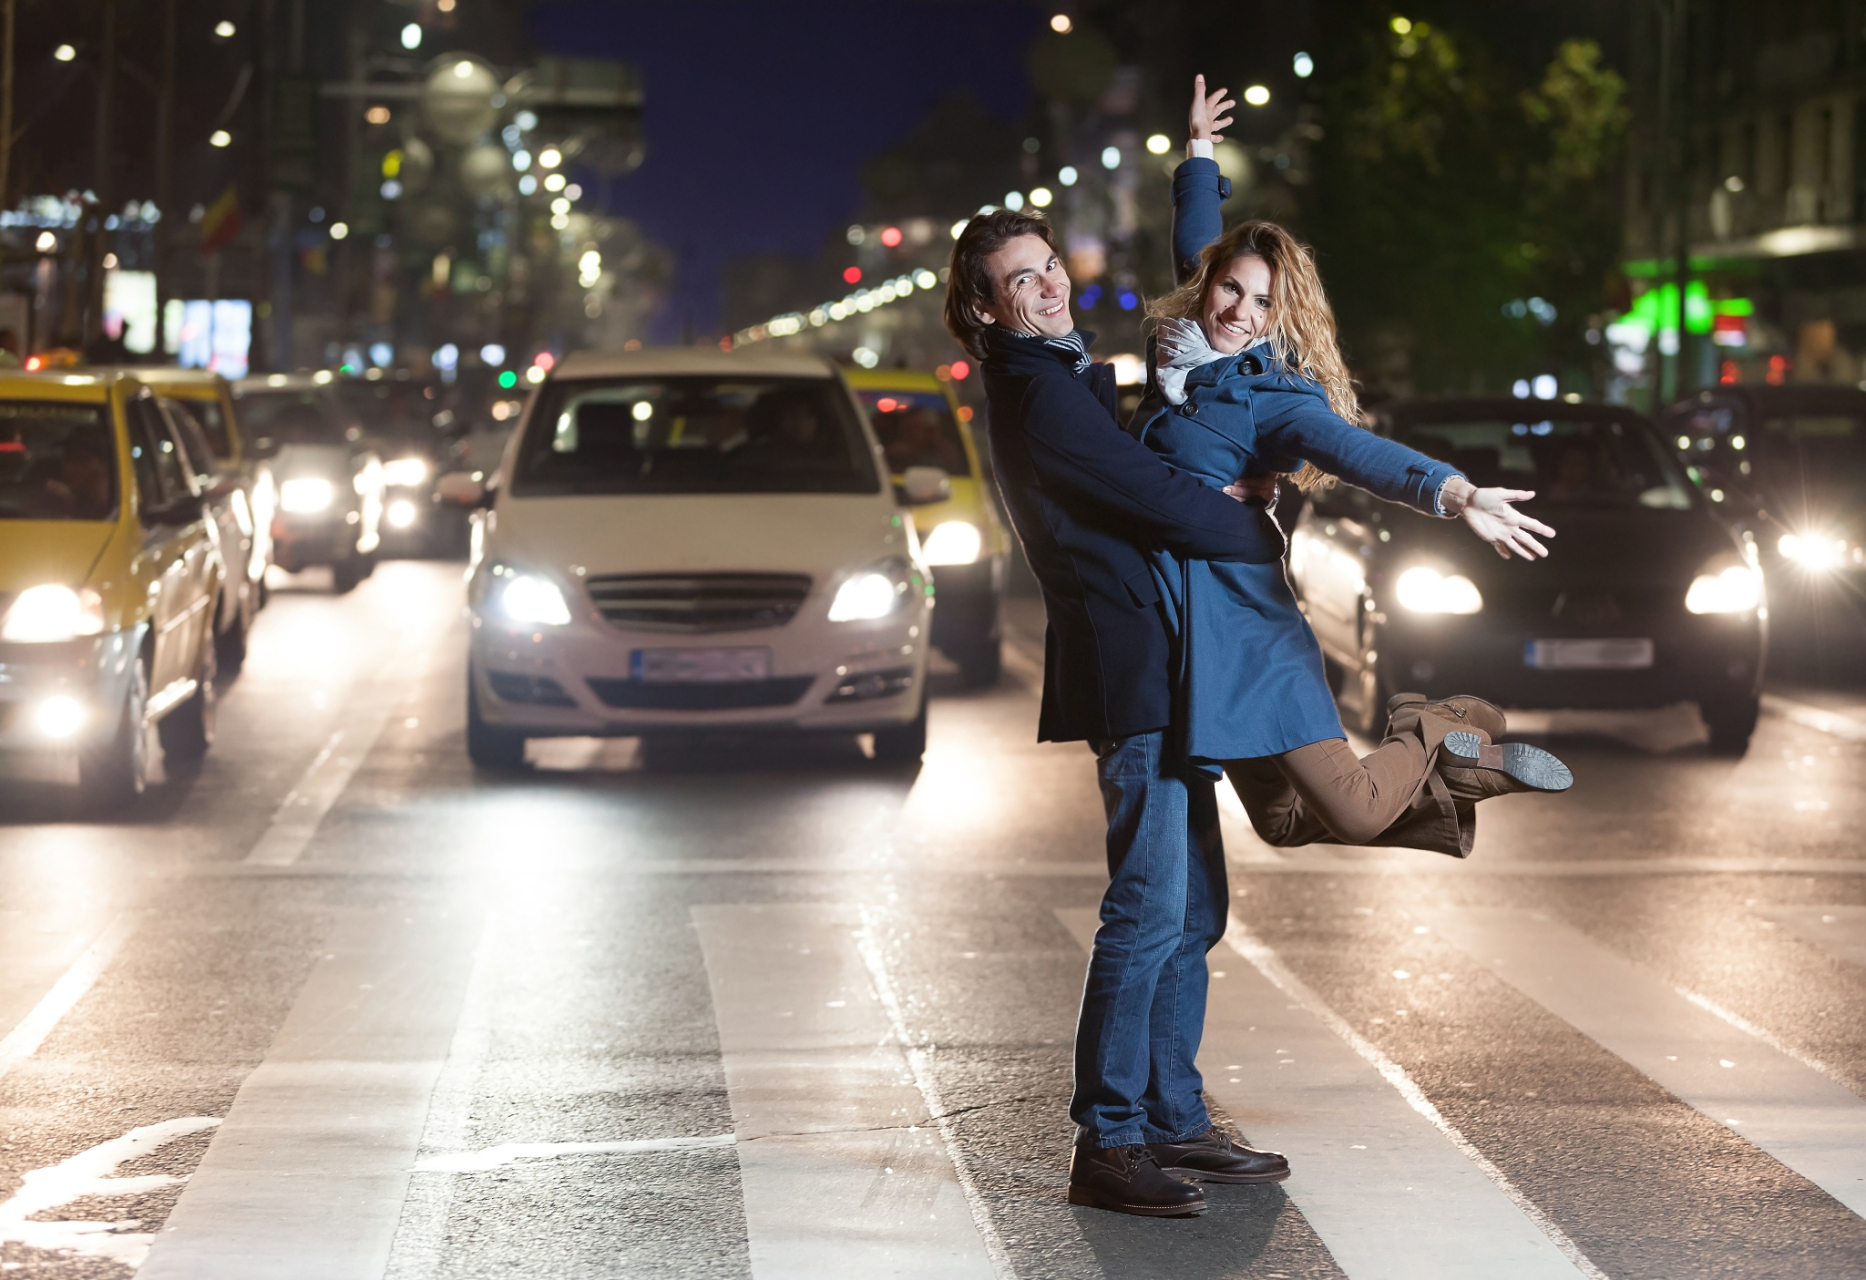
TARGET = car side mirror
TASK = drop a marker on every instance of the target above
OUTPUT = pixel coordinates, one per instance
(923, 485)
(463, 489)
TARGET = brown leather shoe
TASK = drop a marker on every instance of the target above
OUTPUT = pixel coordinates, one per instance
(1469, 712)
(1474, 769)
(1214, 1157)
(1129, 1180)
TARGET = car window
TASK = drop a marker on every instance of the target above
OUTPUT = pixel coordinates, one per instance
(194, 440)
(156, 461)
(916, 429)
(694, 435)
(292, 417)
(1832, 446)
(1585, 461)
(57, 462)
(210, 421)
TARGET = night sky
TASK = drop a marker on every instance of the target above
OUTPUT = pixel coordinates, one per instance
(759, 116)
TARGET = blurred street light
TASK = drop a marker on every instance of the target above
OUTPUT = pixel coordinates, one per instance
(219, 138)
(958, 228)
(411, 36)
(554, 182)
(46, 243)
(338, 230)
(1158, 144)
(1257, 95)
(550, 157)
(1014, 201)
(1041, 197)
(1067, 175)
(527, 185)
(1401, 26)
(1304, 66)
(1061, 24)
(1111, 156)
(521, 160)
(64, 53)
(377, 115)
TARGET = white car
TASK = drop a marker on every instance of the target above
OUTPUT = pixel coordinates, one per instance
(684, 541)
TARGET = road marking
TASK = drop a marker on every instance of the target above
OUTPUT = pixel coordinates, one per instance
(30, 1032)
(306, 1178)
(512, 1152)
(1707, 1059)
(841, 1163)
(1393, 1190)
(88, 1174)
(1840, 726)
(1839, 931)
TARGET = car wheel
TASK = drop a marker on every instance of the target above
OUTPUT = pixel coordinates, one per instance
(1731, 721)
(490, 746)
(112, 774)
(904, 744)
(345, 574)
(230, 645)
(981, 662)
(188, 731)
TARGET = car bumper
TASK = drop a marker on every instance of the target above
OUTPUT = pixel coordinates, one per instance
(300, 543)
(63, 697)
(579, 681)
(968, 596)
(1704, 659)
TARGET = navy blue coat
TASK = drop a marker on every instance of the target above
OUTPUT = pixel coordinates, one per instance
(1085, 497)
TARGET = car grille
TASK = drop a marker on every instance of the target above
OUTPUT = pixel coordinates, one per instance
(700, 695)
(700, 602)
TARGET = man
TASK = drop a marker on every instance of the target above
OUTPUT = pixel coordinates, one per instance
(1084, 496)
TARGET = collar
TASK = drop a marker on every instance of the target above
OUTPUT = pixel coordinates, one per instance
(1071, 348)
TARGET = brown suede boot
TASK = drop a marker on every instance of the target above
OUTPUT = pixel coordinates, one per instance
(1469, 712)
(1474, 769)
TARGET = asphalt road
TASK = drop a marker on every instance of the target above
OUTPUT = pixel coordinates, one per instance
(335, 1007)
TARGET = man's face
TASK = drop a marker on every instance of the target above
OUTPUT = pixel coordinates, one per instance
(1030, 287)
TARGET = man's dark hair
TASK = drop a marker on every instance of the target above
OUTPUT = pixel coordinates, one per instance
(969, 285)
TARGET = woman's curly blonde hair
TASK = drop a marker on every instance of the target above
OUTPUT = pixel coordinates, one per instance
(1302, 324)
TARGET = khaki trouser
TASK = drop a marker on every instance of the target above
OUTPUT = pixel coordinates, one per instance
(1322, 794)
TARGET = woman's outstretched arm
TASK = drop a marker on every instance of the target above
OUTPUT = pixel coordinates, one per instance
(1198, 189)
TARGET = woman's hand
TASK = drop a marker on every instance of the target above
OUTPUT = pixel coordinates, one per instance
(1491, 514)
(1262, 488)
(1209, 111)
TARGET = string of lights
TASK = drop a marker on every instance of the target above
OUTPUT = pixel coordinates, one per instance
(860, 302)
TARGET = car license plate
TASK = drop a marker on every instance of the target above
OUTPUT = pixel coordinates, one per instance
(663, 666)
(1588, 655)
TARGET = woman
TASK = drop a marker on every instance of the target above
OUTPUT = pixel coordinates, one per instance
(1245, 379)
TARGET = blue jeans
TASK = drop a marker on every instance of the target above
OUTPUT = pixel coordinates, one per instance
(1143, 1009)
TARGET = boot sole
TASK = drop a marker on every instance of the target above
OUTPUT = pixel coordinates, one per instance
(1090, 1201)
(1230, 1179)
(1532, 766)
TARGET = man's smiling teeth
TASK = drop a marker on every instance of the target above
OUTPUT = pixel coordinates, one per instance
(1052, 311)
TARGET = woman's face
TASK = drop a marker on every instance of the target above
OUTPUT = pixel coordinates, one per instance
(1237, 305)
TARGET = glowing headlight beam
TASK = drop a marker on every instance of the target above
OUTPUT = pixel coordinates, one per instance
(1425, 590)
(1735, 588)
(533, 600)
(306, 495)
(864, 597)
(953, 542)
(51, 612)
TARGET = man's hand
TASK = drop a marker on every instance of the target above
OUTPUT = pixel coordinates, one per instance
(1491, 514)
(1262, 488)
(1209, 111)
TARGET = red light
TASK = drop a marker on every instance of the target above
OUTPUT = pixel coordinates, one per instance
(544, 360)
(965, 413)
(960, 369)
(725, 343)
(34, 364)
(1729, 373)
(943, 373)
(891, 236)
(852, 275)
(1778, 370)
(887, 404)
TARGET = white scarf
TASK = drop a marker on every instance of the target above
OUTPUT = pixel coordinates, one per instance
(1179, 347)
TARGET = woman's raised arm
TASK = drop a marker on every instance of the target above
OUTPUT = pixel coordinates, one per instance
(1198, 190)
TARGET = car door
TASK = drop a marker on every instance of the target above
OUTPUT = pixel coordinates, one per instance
(219, 481)
(1330, 568)
(177, 558)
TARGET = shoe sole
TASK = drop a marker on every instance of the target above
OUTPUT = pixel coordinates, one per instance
(1532, 766)
(1088, 1201)
(1230, 1179)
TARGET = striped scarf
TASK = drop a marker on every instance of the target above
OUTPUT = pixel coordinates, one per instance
(1073, 344)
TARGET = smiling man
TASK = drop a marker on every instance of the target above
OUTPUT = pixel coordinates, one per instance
(1085, 498)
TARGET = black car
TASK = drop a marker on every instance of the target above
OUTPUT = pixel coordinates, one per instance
(1790, 462)
(1646, 599)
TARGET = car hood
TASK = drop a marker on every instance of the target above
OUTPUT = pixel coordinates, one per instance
(39, 551)
(696, 533)
(1593, 547)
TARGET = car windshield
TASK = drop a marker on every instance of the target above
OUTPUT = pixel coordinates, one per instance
(916, 429)
(57, 462)
(1585, 461)
(290, 417)
(1830, 446)
(694, 435)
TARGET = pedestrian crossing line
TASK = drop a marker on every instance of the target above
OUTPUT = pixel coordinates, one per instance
(841, 1162)
(1703, 1056)
(306, 1177)
(1840, 931)
(1391, 1188)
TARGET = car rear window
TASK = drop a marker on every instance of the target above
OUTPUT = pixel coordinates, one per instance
(57, 462)
(694, 435)
(916, 429)
(291, 417)
(1831, 445)
(1583, 461)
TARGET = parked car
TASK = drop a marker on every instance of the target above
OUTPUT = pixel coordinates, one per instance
(1646, 598)
(238, 488)
(687, 540)
(110, 579)
(1790, 462)
(331, 483)
(916, 418)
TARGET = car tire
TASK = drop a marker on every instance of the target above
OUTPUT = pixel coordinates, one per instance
(1731, 721)
(981, 662)
(230, 645)
(188, 731)
(112, 774)
(345, 574)
(904, 744)
(490, 746)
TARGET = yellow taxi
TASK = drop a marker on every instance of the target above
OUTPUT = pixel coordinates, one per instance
(110, 576)
(937, 472)
(241, 493)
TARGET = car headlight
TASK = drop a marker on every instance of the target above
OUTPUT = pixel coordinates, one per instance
(871, 593)
(1425, 590)
(530, 599)
(953, 542)
(405, 473)
(52, 612)
(307, 495)
(1725, 585)
(1819, 552)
